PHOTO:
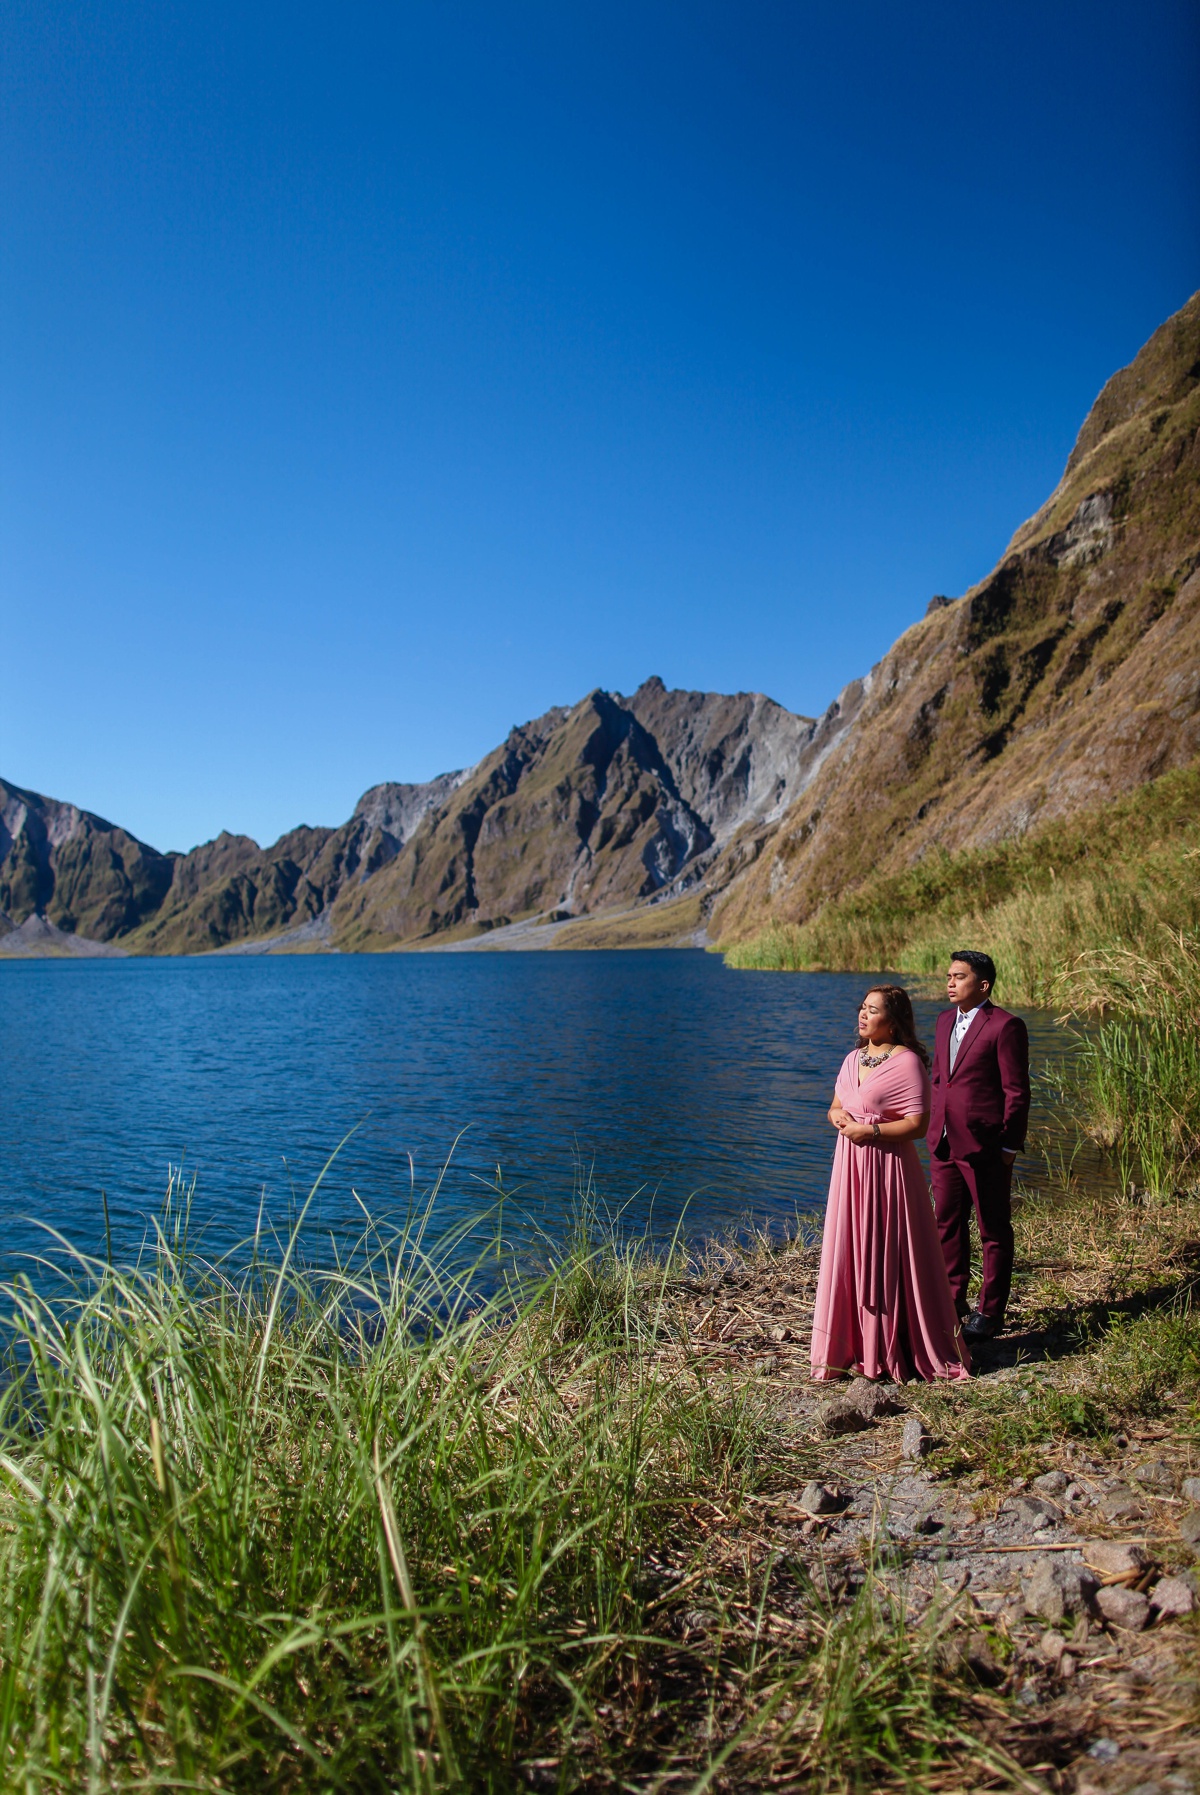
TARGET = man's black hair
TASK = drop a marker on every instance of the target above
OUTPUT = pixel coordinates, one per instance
(982, 965)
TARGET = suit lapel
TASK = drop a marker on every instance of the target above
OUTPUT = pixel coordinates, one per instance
(971, 1039)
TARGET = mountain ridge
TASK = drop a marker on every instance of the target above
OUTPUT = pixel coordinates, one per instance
(1067, 677)
(597, 805)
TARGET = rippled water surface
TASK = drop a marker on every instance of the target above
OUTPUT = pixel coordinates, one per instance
(686, 1089)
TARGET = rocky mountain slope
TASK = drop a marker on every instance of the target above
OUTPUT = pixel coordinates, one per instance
(1070, 676)
(604, 804)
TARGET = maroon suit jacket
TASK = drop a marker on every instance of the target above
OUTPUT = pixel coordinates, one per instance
(983, 1105)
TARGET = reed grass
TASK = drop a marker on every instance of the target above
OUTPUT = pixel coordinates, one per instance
(265, 1525)
(1137, 1071)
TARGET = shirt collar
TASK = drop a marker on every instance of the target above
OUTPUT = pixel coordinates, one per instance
(964, 1019)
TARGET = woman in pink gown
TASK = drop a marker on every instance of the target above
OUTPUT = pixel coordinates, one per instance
(884, 1307)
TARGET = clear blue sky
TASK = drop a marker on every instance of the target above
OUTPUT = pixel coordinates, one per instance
(375, 377)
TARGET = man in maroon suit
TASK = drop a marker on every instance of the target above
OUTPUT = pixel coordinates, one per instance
(977, 1119)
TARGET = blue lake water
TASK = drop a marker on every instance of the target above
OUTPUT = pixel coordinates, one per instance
(682, 1088)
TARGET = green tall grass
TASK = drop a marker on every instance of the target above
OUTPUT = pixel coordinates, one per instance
(351, 1529)
(1137, 1072)
(327, 1530)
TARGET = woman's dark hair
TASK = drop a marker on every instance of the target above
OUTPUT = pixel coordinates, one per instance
(982, 965)
(898, 1008)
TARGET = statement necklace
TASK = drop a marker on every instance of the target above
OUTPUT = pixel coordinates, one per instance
(869, 1061)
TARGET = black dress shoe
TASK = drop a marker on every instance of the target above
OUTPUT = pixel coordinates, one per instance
(981, 1327)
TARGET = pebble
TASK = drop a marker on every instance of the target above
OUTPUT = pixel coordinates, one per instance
(1172, 1597)
(1104, 1751)
(1124, 1608)
(915, 1441)
(1052, 1589)
(817, 1499)
(1191, 1489)
(1155, 1476)
(1112, 1558)
(982, 1660)
(1033, 1511)
(1121, 1504)
(1189, 1528)
(874, 1400)
(1051, 1483)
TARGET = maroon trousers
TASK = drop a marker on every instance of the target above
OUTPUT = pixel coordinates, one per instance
(985, 1185)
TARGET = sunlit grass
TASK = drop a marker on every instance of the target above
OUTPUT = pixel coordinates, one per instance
(270, 1526)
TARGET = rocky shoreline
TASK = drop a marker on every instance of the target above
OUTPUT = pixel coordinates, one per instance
(1065, 1602)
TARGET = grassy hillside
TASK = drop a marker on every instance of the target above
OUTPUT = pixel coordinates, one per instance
(1112, 877)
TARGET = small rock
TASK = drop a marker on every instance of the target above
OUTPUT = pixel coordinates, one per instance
(981, 1660)
(1171, 1597)
(1104, 1751)
(1121, 1505)
(1067, 1666)
(874, 1399)
(777, 1334)
(963, 1652)
(1112, 1558)
(1033, 1511)
(1076, 1495)
(1050, 1483)
(1154, 1475)
(1028, 1696)
(1189, 1528)
(1191, 1489)
(841, 1417)
(818, 1500)
(1123, 1608)
(1051, 1647)
(1051, 1589)
(765, 1367)
(915, 1441)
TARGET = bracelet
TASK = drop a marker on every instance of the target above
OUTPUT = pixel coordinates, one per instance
(875, 1130)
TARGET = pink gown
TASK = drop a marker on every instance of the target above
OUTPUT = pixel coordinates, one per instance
(883, 1306)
